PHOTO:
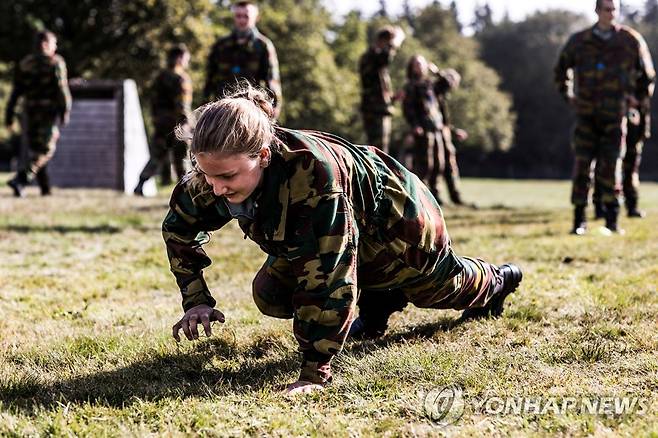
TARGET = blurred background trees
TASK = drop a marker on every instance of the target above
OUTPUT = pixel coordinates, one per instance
(519, 126)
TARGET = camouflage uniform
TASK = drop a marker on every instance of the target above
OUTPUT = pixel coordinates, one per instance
(638, 131)
(255, 61)
(376, 96)
(421, 108)
(42, 82)
(450, 168)
(172, 98)
(337, 221)
(606, 71)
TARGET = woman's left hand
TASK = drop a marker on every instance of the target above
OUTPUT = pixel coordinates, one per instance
(302, 387)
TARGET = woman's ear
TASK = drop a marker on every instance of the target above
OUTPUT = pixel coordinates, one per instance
(265, 155)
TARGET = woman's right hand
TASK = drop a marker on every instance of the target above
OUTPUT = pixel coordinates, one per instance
(203, 314)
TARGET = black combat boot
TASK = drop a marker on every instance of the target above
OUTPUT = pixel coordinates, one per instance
(375, 308)
(18, 183)
(579, 221)
(139, 189)
(611, 216)
(631, 208)
(43, 179)
(511, 278)
(599, 210)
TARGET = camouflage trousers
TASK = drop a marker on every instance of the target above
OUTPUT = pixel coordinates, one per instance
(40, 134)
(429, 159)
(471, 283)
(378, 130)
(451, 170)
(630, 167)
(598, 140)
(164, 146)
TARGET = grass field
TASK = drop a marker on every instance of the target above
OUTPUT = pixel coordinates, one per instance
(87, 302)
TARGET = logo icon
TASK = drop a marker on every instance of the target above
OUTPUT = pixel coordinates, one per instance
(445, 405)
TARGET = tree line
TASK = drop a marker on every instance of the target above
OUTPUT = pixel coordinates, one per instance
(518, 125)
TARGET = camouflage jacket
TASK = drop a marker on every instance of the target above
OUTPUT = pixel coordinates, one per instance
(421, 103)
(342, 215)
(42, 81)
(442, 87)
(172, 94)
(605, 71)
(230, 61)
(376, 88)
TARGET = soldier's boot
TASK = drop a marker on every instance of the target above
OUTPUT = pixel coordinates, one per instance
(599, 210)
(633, 211)
(579, 221)
(18, 183)
(374, 313)
(139, 189)
(511, 278)
(43, 179)
(611, 217)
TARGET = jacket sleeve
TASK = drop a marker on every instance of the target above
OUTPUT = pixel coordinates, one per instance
(564, 63)
(17, 91)
(63, 91)
(272, 79)
(646, 71)
(210, 87)
(409, 107)
(185, 230)
(324, 264)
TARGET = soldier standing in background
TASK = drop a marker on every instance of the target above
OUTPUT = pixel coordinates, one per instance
(41, 79)
(449, 79)
(244, 54)
(377, 95)
(422, 112)
(639, 130)
(172, 98)
(612, 72)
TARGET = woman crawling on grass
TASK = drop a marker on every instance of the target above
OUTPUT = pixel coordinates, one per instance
(340, 223)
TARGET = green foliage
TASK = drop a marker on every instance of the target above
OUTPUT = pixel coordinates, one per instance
(317, 93)
(318, 55)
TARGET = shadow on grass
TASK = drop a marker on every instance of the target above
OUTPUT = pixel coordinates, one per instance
(62, 229)
(185, 374)
(163, 375)
(421, 331)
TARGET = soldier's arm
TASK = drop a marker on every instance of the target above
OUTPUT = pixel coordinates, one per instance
(270, 65)
(324, 263)
(210, 87)
(646, 72)
(185, 230)
(564, 63)
(17, 91)
(409, 107)
(63, 91)
(183, 97)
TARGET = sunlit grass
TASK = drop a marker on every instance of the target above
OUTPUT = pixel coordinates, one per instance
(87, 302)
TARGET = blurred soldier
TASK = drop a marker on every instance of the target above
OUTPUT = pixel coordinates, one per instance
(41, 80)
(376, 90)
(639, 130)
(172, 98)
(244, 54)
(423, 113)
(612, 72)
(449, 79)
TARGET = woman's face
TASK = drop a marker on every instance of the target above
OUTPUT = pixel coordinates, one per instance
(419, 66)
(233, 176)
